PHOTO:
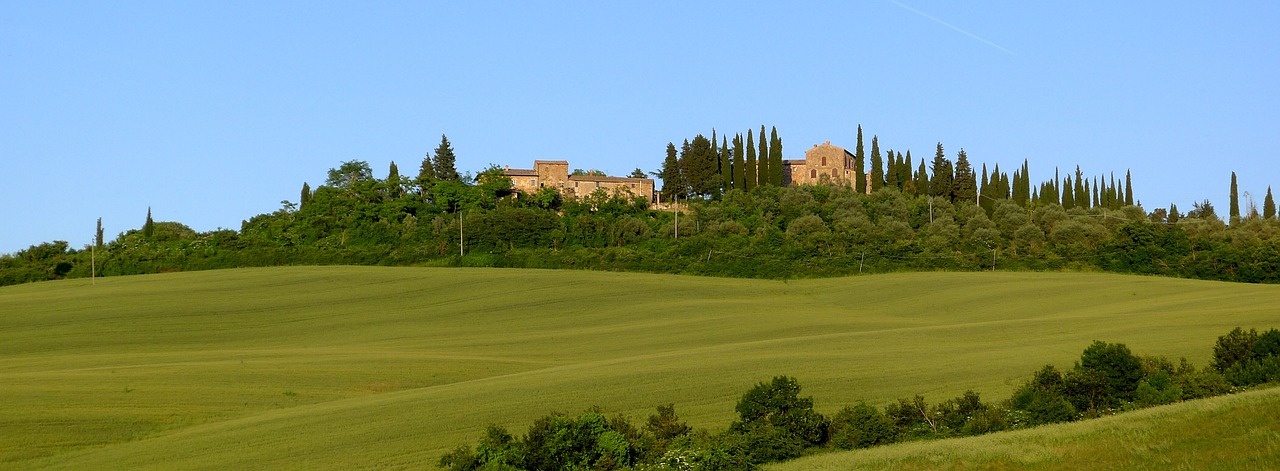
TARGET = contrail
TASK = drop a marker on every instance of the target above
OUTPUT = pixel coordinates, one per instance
(949, 25)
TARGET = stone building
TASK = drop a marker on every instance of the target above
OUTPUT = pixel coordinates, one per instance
(555, 174)
(822, 163)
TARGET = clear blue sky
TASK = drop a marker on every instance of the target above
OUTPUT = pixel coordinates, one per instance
(212, 112)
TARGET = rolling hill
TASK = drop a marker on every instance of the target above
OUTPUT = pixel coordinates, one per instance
(364, 367)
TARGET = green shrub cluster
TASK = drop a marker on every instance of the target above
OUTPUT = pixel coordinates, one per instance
(775, 423)
(767, 232)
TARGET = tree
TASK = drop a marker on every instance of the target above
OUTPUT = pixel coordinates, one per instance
(877, 165)
(1068, 196)
(752, 167)
(921, 180)
(426, 173)
(1173, 214)
(726, 163)
(1128, 188)
(149, 227)
(1235, 199)
(966, 189)
(670, 174)
(764, 171)
(97, 235)
(775, 157)
(698, 165)
(1269, 206)
(444, 163)
(1119, 369)
(305, 196)
(739, 165)
(349, 173)
(778, 404)
(1235, 347)
(637, 173)
(940, 185)
(1080, 198)
(859, 166)
(394, 186)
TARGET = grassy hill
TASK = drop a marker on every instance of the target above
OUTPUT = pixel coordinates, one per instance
(361, 367)
(1226, 432)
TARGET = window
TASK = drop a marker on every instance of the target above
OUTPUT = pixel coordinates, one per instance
(834, 173)
(824, 161)
(813, 173)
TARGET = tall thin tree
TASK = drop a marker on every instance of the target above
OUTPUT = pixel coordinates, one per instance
(445, 161)
(750, 170)
(1235, 199)
(859, 166)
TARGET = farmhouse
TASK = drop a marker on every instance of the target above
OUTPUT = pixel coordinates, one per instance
(822, 163)
(555, 174)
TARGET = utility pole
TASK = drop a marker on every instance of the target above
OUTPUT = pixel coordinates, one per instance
(460, 237)
(676, 205)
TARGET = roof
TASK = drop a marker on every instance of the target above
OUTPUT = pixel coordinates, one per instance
(597, 178)
(561, 162)
(520, 172)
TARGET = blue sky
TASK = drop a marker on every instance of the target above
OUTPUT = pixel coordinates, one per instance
(212, 112)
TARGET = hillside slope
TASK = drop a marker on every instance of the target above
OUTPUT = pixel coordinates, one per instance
(342, 367)
(1240, 432)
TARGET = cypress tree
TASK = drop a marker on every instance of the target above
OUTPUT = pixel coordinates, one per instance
(921, 180)
(984, 192)
(1268, 208)
(1173, 214)
(1235, 199)
(393, 181)
(1068, 196)
(1096, 204)
(305, 197)
(775, 157)
(1128, 188)
(891, 172)
(444, 161)
(859, 166)
(739, 166)
(751, 168)
(97, 235)
(763, 171)
(149, 227)
(940, 184)
(1080, 198)
(905, 170)
(670, 173)
(1025, 190)
(966, 189)
(715, 152)
(877, 165)
(726, 164)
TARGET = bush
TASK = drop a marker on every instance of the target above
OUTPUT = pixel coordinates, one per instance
(861, 426)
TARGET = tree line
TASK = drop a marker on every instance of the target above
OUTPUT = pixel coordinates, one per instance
(775, 423)
(944, 216)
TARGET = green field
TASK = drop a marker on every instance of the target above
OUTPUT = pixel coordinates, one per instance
(367, 367)
(1237, 432)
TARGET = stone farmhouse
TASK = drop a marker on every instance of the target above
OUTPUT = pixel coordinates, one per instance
(555, 174)
(822, 163)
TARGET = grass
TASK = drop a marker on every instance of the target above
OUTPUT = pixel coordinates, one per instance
(368, 367)
(1226, 432)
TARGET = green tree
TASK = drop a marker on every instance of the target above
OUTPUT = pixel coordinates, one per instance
(395, 187)
(1080, 197)
(1173, 214)
(1269, 206)
(349, 173)
(877, 165)
(764, 170)
(861, 426)
(426, 173)
(149, 227)
(859, 166)
(966, 188)
(775, 157)
(698, 164)
(778, 404)
(1068, 196)
(1235, 347)
(670, 174)
(97, 235)
(305, 196)
(726, 163)
(444, 164)
(921, 180)
(940, 185)
(1116, 365)
(637, 173)
(749, 172)
(1235, 199)
(739, 164)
